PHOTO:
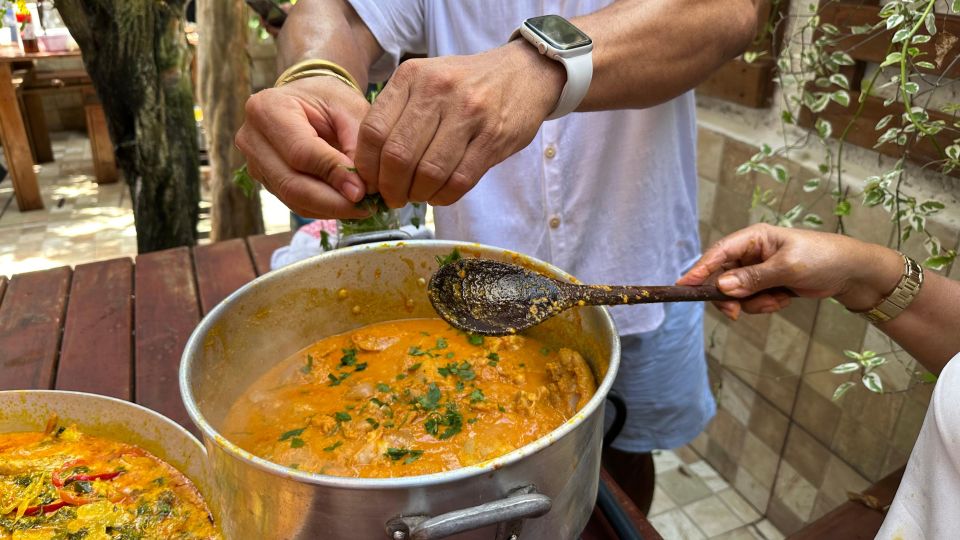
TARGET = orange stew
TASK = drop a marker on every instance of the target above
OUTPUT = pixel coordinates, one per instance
(408, 397)
(63, 484)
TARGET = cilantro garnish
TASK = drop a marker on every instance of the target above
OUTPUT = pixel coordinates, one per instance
(308, 367)
(430, 400)
(441, 343)
(292, 433)
(450, 419)
(360, 367)
(349, 357)
(453, 256)
(296, 442)
(333, 446)
(492, 359)
(373, 423)
(334, 380)
(382, 387)
(476, 395)
(415, 366)
(475, 339)
(462, 370)
(341, 416)
(396, 454)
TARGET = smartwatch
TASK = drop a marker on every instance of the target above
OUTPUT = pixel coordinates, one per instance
(558, 39)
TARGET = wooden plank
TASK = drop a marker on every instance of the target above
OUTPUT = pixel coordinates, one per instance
(104, 161)
(37, 123)
(854, 520)
(872, 47)
(222, 268)
(864, 134)
(31, 317)
(96, 355)
(166, 311)
(3, 287)
(739, 82)
(263, 246)
(16, 146)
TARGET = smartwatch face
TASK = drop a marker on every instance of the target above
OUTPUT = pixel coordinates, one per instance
(558, 32)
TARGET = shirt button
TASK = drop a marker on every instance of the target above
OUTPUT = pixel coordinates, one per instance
(550, 151)
(554, 222)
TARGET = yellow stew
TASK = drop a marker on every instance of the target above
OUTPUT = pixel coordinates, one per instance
(62, 484)
(408, 397)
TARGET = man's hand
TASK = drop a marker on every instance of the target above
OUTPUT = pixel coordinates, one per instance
(812, 264)
(440, 123)
(300, 139)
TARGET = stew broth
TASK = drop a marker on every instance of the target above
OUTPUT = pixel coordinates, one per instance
(406, 398)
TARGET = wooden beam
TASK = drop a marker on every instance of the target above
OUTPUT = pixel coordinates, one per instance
(97, 351)
(221, 267)
(16, 146)
(31, 318)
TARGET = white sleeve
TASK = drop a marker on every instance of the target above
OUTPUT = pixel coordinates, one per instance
(400, 28)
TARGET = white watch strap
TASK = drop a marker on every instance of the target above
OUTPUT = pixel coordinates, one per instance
(579, 74)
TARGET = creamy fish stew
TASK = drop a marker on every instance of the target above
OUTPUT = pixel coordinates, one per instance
(62, 484)
(408, 397)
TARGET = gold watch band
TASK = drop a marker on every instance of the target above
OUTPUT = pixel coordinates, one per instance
(317, 68)
(903, 294)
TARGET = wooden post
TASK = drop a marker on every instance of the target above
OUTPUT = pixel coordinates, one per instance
(16, 146)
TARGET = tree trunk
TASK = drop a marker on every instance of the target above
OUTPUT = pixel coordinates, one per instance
(136, 53)
(224, 88)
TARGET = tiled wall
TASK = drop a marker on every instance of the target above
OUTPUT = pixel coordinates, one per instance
(778, 437)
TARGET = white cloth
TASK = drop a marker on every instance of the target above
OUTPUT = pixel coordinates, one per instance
(925, 506)
(620, 186)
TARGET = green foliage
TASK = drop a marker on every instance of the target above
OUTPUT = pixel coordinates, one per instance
(812, 77)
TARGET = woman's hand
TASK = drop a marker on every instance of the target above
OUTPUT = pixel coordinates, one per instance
(811, 264)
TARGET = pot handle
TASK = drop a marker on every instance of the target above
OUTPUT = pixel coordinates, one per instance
(508, 513)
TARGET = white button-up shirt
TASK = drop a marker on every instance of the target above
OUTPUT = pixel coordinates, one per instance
(608, 196)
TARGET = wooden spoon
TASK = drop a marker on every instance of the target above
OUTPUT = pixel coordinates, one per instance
(492, 298)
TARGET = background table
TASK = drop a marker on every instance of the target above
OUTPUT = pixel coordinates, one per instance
(118, 328)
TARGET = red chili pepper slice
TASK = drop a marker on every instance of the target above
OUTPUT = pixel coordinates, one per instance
(44, 508)
(73, 499)
(55, 477)
(91, 477)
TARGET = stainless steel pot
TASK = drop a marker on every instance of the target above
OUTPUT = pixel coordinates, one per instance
(545, 490)
(29, 410)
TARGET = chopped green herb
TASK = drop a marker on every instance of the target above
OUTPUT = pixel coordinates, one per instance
(449, 355)
(373, 423)
(292, 433)
(377, 402)
(401, 377)
(334, 380)
(422, 333)
(521, 364)
(544, 351)
(430, 400)
(398, 453)
(308, 367)
(415, 366)
(441, 343)
(452, 257)
(381, 387)
(451, 420)
(492, 359)
(296, 442)
(475, 339)
(349, 357)
(463, 370)
(360, 367)
(333, 446)
(417, 351)
(476, 395)
(459, 386)
(341, 416)
(388, 424)
(413, 456)
(501, 409)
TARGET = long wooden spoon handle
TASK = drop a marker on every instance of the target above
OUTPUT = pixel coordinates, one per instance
(626, 294)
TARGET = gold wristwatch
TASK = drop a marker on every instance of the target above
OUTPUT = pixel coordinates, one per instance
(901, 296)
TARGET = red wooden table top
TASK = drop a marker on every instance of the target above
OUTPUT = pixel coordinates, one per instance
(118, 328)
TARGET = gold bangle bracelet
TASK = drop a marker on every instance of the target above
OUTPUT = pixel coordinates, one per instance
(317, 68)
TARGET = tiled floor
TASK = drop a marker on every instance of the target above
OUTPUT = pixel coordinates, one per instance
(82, 221)
(692, 502)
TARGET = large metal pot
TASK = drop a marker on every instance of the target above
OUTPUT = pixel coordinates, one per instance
(29, 410)
(547, 489)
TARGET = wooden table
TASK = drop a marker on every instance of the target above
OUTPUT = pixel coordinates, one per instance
(13, 131)
(118, 328)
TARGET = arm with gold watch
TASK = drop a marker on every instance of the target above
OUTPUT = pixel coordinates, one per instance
(919, 310)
